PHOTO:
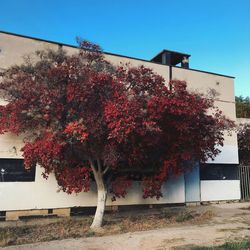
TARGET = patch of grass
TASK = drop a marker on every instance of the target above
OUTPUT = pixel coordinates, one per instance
(16, 235)
(193, 216)
(5, 238)
(239, 245)
(245, 208)
(90, 233)
(233, 230)
(184, 217)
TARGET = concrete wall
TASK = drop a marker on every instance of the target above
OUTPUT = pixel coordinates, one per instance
(220, 190)
(43, 194)
(14, 48)
(10, 146)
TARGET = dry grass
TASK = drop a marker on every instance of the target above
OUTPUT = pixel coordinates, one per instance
(75, 227)
(36, 233)
(245, 208)
(243, 244)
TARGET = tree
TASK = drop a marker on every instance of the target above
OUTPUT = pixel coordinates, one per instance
(244, 144)
(86, 119)
(243, 111)
(242, 107)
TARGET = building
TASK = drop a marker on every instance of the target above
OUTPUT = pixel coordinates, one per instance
(215, 182)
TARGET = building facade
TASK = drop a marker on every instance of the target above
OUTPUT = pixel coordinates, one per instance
(215, 181)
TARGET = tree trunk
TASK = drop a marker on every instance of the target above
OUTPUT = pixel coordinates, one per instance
(101, 201)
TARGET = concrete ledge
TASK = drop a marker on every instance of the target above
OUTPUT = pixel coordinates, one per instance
(219, 202)
(193, 204)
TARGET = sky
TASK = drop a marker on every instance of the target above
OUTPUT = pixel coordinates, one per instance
(215, 32)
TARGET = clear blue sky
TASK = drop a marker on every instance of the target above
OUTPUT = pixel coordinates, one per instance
(215, 32)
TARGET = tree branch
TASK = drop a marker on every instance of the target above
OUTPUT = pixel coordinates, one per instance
(99, 164)
(92, 165)
(105, 170)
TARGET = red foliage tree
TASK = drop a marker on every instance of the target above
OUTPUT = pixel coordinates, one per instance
(244, 144)
(87, 119)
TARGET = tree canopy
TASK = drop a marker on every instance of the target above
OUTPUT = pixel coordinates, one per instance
(85, 119)
(243, 111)
(244, 144)
(242, 107)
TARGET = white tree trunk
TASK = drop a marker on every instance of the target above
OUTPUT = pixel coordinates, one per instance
(101, 202)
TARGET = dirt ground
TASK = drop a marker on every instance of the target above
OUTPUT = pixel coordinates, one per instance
(230, 222)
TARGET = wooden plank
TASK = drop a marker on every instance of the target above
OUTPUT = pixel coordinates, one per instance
(65, 212)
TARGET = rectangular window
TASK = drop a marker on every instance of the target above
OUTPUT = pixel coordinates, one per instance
(12, 170)
(218, 172)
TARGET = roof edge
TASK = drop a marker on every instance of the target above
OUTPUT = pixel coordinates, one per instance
(113, 54)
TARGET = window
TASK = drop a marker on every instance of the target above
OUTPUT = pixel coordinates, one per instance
(218, 172)
(12, 170)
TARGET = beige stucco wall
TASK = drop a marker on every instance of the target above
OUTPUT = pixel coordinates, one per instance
(13, 49)
(202, 82)
(10, 146)
(42, 193)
